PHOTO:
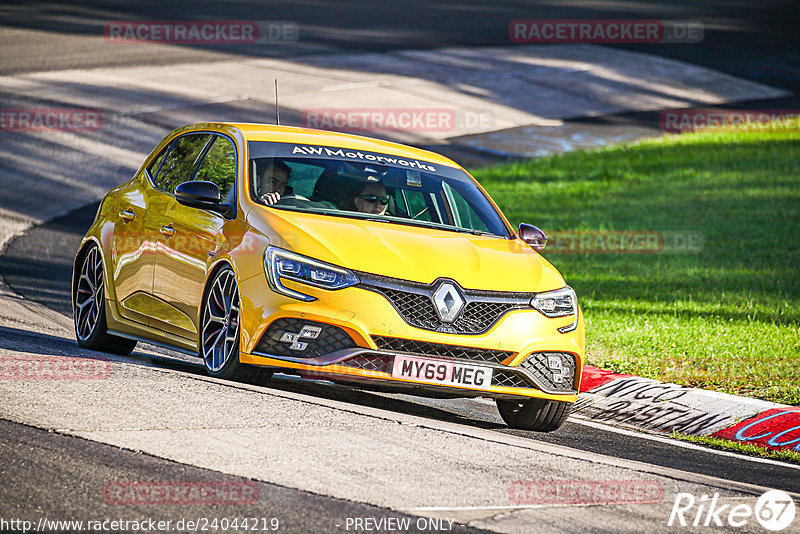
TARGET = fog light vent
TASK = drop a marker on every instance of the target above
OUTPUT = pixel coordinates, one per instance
(302, 339)
(554, 370)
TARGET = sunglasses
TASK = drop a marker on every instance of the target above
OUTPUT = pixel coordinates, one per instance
(375, 198)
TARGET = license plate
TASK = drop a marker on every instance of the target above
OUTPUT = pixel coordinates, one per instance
(441, 372)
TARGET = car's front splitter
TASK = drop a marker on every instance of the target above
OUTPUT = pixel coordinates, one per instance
(344, 372)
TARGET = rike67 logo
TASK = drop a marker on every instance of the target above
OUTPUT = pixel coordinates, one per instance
(775, 511)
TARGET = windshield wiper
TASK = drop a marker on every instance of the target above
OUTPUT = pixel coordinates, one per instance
(469, 231)
(426, 224)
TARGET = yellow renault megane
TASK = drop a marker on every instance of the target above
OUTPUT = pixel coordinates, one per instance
(265, 248)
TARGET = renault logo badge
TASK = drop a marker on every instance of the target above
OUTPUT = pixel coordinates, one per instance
(448, 302)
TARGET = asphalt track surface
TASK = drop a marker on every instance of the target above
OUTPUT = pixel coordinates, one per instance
(77, 471)
(50, 473)
(38, 266)
(753, 39)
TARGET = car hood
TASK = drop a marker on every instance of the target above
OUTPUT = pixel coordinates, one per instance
(409, 252)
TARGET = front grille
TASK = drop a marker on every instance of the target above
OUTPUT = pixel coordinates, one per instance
(416, 310)
(370, 362)
(560, 377)
(509, 379)
(413, 301)
(478, 317)
(330, 339)
(441, 350)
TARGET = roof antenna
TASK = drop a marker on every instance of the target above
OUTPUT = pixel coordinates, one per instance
(277, 113)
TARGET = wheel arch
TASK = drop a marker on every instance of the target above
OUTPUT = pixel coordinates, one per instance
(76, 265)
(215, 268)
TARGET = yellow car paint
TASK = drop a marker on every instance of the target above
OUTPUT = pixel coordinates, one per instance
(158, 256)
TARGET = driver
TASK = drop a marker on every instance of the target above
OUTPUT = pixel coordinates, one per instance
(372, 199)
(273, 182)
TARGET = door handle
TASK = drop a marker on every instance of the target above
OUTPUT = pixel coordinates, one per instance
(168, 230)
(127, 215)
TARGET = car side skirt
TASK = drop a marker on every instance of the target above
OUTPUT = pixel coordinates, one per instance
(119, 326)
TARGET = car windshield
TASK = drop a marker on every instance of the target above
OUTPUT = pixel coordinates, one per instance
(357, 184)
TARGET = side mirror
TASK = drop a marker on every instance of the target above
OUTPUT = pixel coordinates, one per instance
(200, 194)
(533, 236)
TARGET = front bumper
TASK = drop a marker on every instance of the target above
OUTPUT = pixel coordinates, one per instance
(375, 334)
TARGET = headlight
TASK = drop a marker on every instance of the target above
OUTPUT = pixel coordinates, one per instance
(558, 303)
(284, 265)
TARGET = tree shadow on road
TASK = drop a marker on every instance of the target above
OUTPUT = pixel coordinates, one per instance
(22, 343)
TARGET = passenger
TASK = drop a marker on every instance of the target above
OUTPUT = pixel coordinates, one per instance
(372, 199)
(273, 182)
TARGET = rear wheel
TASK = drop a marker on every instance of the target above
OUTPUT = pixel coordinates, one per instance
(220, 332)
(89, 313)
(540, 415)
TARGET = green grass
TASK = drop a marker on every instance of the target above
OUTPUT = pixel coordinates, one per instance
(726, 318)
(750, 449)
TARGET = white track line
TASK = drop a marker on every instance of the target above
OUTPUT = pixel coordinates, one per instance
(512, 508)
(679, 443)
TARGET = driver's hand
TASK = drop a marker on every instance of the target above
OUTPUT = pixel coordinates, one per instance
(270, 198)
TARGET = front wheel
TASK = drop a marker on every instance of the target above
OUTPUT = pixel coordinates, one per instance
(220, 332)
(89, 311)
(540, 415)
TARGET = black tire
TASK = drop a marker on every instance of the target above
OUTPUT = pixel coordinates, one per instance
(540, 415)
(89, 310)
(220, 332)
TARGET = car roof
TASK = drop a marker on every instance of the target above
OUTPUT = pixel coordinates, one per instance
(309, 136)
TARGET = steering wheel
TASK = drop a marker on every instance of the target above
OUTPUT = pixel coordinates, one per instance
(292, 197)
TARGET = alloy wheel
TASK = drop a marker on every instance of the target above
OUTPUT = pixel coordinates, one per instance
(220, 330)
(89, 295)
